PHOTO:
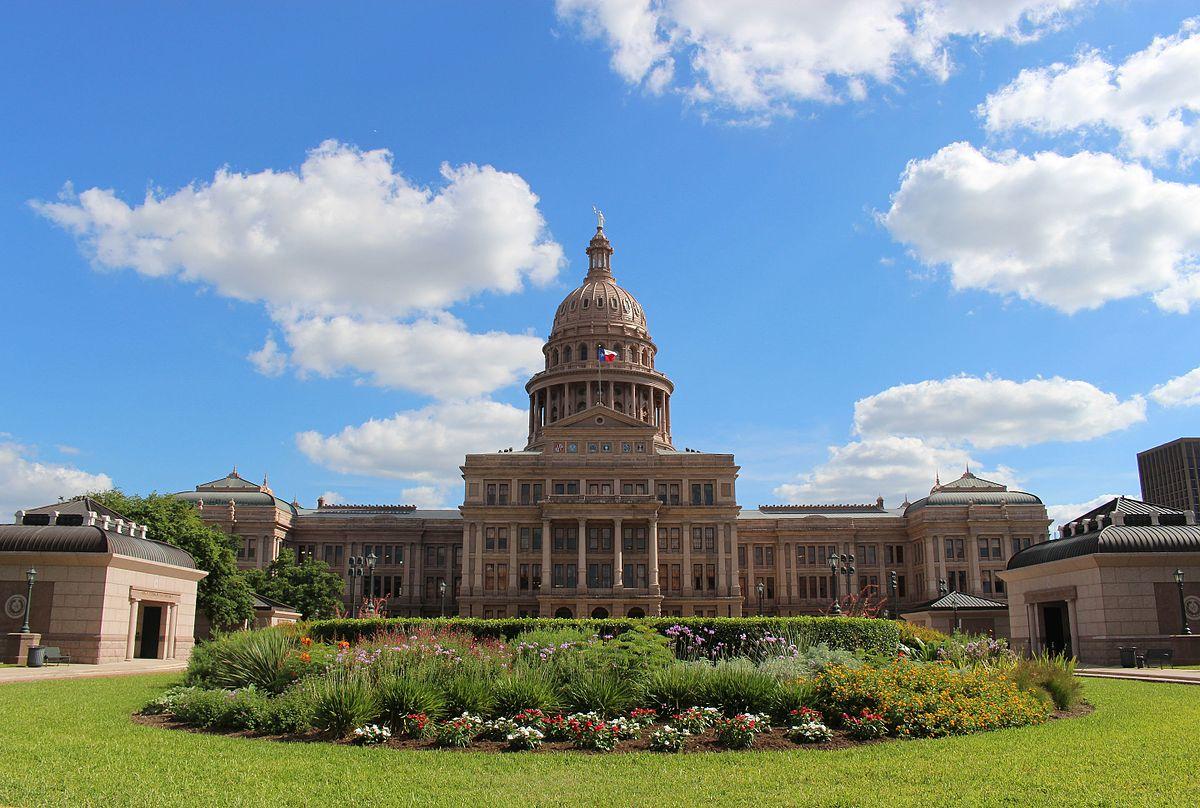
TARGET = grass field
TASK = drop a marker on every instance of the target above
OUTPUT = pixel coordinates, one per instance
(72, 743)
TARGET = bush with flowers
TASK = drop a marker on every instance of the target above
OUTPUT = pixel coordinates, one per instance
(928, 700)
(739, 732)
(696, 719)
(589, 731)
(866, 726)
(458, 732)
(807, 726)
(522, 738)
(372, 734)
(669, 739)
(414, 725)
(642, 717)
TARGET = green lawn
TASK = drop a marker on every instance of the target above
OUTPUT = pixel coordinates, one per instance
(71, 743)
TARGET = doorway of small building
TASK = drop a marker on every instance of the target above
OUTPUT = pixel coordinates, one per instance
(563, 613)
(1056, 620)
(636, 611)
(150, 627)
(599, 613)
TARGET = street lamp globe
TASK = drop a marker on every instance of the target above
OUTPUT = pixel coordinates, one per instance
(1179, 577)
(30, 575)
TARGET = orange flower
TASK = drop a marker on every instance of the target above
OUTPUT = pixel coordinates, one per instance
(306, 657)
(343, 645)
(306, 641)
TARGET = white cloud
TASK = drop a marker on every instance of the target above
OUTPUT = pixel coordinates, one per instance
(425, 496)
(27, 483)
(269, 360)
(338, 250)
(989, 412)
(889, 466)
(67, 450)
(763, 56)
(1181, 391)
(1151, 100)
(332, 498)
(1062, 514)
(436, 356)
(345, 233)
(1068, 232)
(426, 446)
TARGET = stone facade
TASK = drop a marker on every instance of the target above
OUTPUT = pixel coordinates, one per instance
(600, 513)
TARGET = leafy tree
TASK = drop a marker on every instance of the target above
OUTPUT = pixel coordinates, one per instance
(222, 595)
(308, 586)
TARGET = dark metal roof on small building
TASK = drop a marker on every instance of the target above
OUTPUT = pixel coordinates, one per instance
(84, 539)
(1113, 539)
(959, 600)
(971, 490)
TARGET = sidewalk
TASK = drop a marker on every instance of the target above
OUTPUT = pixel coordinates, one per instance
(124, 668)
(1174, 675)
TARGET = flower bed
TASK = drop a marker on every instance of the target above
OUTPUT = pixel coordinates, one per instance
(565, 689)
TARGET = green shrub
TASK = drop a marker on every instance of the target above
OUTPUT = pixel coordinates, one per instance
(290, 713)
(1053, 675)
(792, 696)
(523, 690)
(676, 688)
(608, 694)
(633, 654)
(810, 662)
(202, 708)
(850, 633)
(244, 658)
(909, 632)
(245, 709)
(342, 700)
(736, 686)
(402, 697)
(467, 694)
(167, 702)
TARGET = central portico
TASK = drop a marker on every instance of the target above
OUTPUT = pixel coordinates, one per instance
(599, 515)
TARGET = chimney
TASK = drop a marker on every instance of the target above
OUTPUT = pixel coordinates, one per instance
(1117, 518)
(120, 525)
(106, 522)
(1189, 517)
(320, 502)
(19, 518)
(91, 518)
(54, 518)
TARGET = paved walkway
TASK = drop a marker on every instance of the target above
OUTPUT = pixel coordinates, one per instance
(1175, 675)
(133, 666)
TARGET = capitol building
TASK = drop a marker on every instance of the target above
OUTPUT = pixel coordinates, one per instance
(601, 515)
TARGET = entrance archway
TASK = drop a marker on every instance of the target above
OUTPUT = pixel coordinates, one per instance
(562, 612)
(636, 611)
(599, 613)
(1056, 620)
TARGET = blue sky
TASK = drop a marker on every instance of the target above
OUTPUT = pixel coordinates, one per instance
(996, 266)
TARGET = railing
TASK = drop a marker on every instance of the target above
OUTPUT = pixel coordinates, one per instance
(600, 499)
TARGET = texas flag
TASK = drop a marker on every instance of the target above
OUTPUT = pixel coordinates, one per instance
(605, 355)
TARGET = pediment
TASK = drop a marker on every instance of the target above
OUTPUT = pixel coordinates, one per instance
(611, 419)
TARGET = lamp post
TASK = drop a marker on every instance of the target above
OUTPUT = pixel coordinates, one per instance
(442, 595)
(1178, 582)
(31, 575)
(843, 564)
(891, 594)
(833, 576)
(354, 570)
(761, 591)
(371, 560)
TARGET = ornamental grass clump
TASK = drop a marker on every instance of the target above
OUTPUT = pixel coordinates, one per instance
(242, 658)
(400, 698)
(343, 699)
(736, 686)
(458, 732)
(669, 739)
(676, 688)
(601, 692)
(526, 690)
(739, 732)
(1051, 674)
(465, 693)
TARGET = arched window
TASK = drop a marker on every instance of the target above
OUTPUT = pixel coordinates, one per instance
(554, 356)
(599, 302)
(567, 354)
(617, 348)
(563, 613)
(582, 352)
(637, 611)
(599, 613)
(585, 302)
(643, 356)
(613, 302)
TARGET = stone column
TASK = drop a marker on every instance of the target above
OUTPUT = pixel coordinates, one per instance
(972, 549)
(133, 616)
(172, 624)
(930, 568)
(734, 578)
(547, 564)
(686, 533)
(618, 558)
(581, 563)
(667, 413)
(722, 581)
(512, 558)
(655, 583)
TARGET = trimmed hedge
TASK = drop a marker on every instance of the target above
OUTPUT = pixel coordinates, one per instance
(850, 633)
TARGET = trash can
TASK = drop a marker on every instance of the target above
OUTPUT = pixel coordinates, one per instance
(36, 657)
(1128, 656)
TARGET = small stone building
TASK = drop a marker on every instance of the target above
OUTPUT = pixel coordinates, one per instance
(1110, 581)
(966, 613)
(104, 592)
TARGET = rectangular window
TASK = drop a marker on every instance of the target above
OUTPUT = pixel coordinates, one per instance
(996, 548)
(503, 493)
(824, 579)
(676, 542)
(491, 494)
(676, 578)
(901, 587)
(501, 577)
(697, 496)
(710, 539)
(525, 493)
(525, 542)
(986, 581)
(698, 577)
(502, 538)
(599, 576)
(489, 538)
(983, 549)
(537, 492)
(960, 549)
(769, 555)
(801, 555)
(710, 576)
(523, 578)
(489, 577)
(708, 494)
(741, 556)
(770, 588)
(999, 585)
(697, 540)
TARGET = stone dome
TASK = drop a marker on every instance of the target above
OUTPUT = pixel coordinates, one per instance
(599, 302)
